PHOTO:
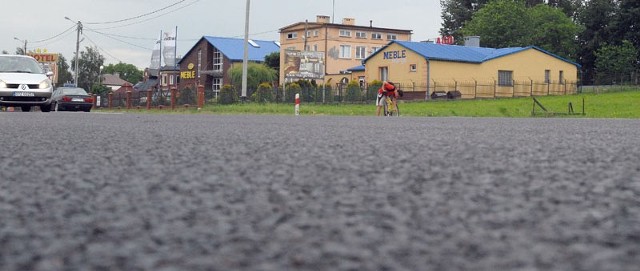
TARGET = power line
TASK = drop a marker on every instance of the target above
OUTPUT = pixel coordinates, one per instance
(139, 16)
(103, 50)
(116, 39)
(149, 19)
(58, 35)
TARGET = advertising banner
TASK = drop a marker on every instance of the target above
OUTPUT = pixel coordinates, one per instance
(155, 56)
(304, 64)
(169, 48)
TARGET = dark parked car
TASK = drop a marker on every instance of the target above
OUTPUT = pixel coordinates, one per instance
(71, 98)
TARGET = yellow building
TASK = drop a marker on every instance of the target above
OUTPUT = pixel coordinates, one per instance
(344, 45)
(422, 69)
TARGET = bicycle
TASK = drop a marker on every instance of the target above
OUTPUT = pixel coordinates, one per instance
(391, 108)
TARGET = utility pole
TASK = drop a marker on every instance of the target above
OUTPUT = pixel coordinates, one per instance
(79, 30)
(245, 60)
(24, 49)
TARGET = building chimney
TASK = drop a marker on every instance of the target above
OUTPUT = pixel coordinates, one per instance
(323, 19)
(472, 41)
(370, 23)
(348, 21)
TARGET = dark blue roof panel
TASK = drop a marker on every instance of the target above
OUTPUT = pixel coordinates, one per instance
(233, 48)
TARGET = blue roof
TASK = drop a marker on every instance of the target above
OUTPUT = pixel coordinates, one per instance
(466, 54)
(233, 48)
(356, 69)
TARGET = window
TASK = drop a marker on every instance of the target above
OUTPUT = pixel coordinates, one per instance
(374, 49)
(561, 77)
(217, 60)
(171, 80)
(361, 52)
(345, 33)
(316, 33)
(315, 47)
(199, 62)
(292, 48)
(307, 47)
(376, 36)
(392, 37)
(361, 35)
(413, 67)
(384, 73)
(216, 85)
(292, 35)
(164, 79)
(308, 34)
(505, 78)
(345, 51)
(547, 76)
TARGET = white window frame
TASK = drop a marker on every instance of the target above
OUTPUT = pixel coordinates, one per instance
(315, 47)
(218, 60)
(361, 35)
(383, 73)
(413, 67)
(375, 49)
(361, 52)
(316, 33)
(376, 36)
(292, 35)
(392, 37)
(345, 51)
(345, 33)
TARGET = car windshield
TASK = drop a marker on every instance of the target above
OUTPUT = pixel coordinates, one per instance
(73, 91)
(19, 64)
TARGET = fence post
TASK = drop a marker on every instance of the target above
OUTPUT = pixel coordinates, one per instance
(475, 89)
(129, 94)
(531, 88)
(173, 98)
(513, 88)
(495, 88)
(200, 96)
(148, 99)
(110, 100)
(548, 87)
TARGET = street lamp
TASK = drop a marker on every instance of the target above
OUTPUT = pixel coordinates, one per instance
(79, 29)
(24, 49)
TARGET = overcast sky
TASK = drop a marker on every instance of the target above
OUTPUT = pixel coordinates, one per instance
(42, 23)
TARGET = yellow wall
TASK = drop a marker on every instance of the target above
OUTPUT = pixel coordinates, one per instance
(329, 37)
(527, 66)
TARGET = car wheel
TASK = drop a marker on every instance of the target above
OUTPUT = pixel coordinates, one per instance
(45, 108)
(25, 108)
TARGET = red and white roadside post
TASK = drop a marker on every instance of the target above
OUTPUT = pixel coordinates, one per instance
(297, 107)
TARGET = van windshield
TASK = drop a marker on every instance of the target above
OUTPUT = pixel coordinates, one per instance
(19, 64)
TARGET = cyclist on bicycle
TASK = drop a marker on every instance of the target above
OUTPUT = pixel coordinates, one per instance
(388, 89)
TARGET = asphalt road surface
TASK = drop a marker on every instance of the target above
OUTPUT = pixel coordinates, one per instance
(91, 191)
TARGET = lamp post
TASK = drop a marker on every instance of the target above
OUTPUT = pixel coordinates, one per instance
(79, 30)
(24, 49)
(245, 59)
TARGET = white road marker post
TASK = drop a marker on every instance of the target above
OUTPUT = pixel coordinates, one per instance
(297, 107)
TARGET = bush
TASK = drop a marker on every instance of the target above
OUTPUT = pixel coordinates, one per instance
(354, 93)
(228, 95)
(292, 89)
(264, 94)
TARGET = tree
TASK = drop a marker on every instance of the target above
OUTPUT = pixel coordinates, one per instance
(501, 23)
(89, 67)
(64, 76)
(5, 52)
(626, 23)
(455, 14)
(256, 74)
(595, 16)
(616, 63)
(554, 31)
(127, 72)
(273, 61)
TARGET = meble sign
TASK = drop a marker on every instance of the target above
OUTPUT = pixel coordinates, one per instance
(395, 54)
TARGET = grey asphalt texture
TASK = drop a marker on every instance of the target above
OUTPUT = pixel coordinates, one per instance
(91, 191)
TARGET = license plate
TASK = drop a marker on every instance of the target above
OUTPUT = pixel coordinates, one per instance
(77, 100)
(23, 94)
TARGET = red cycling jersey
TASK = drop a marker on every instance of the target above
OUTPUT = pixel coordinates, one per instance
(389, 88)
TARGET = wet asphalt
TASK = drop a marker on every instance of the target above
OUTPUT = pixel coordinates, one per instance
(92, 191)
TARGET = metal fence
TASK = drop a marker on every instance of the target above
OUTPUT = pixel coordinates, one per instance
(342, 93)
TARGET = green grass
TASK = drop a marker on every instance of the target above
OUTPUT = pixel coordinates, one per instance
(622, 104)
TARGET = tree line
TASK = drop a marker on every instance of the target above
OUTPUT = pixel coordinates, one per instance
(600, 35)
